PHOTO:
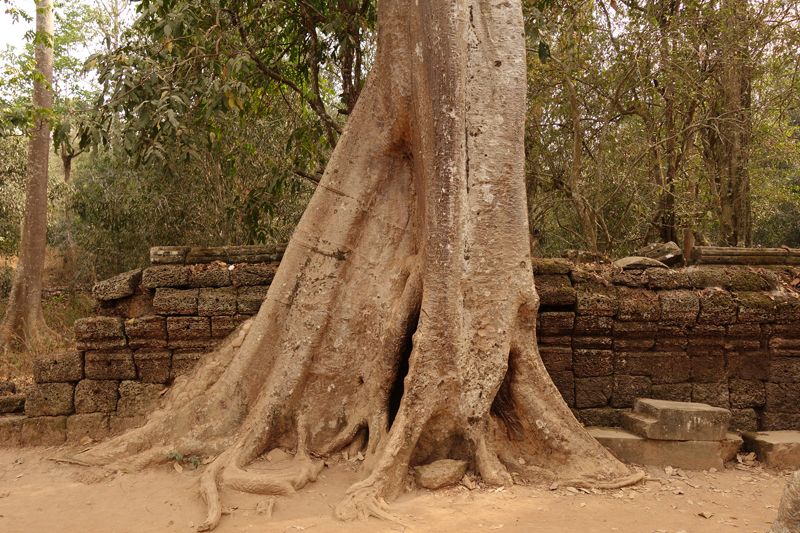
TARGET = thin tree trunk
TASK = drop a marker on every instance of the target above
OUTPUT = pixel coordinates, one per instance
(23, 320)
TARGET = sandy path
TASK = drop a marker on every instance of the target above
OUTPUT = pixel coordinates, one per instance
(39, 495)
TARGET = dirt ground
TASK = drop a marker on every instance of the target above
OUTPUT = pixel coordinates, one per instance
(38, 494)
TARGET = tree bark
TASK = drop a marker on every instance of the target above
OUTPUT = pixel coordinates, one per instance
(412, 254)
(23, 320)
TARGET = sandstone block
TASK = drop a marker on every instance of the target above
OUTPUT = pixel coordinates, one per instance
(96, 396)
(634, 363)
(250, 299)
(743, 279)
(634, 330)
(99, 333)
(713, 394)
(664, 420)
(168, 255)
(593, 343)
(673, 392)
(555, 323)
(679, 307)
(744, 420)
(638, 305)
(595, 299)
(58, 367)
(440, 473)
(708, 369)
(117, 287)
(602, 416)
(671, 367)
(92, 425)
(555, 290)
(153, 366)
(755, 307)
(624, 345)
(630, 275)
(138, 398)
(562, 340)
(220, 301)
(746, 330)
(628, 388)
(140, 303)
(787, 310)
(784, 370)
(176, 301)
(165, 276)
(716, 307)
(43, 431)
(108, 364)
(702, 277)
(778, 449)
(591, 325)
(256, 274)
(556, 358)
(49, 399)
(660, 279)
(745, 394)
(689, 455)
(751, 365)
(782, 398)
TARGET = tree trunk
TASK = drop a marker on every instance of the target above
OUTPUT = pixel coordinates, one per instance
(23, 320)
(412, 254)
(788, 519)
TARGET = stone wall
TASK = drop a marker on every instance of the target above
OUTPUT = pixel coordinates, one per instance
(724, 335)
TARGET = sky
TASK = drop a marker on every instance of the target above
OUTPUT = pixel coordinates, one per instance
(11, 33)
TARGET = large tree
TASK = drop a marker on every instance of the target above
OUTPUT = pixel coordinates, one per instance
(23, 319)
(402, 319)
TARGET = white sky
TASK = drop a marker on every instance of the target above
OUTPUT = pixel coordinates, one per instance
(14, 34)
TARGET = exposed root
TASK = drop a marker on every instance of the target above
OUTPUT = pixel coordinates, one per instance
(69, 461)
(283, 481)
(362, 503)
(210, 493)
(633, 479)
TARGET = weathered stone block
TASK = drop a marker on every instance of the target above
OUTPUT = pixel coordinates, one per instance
(220, 301)
(250, 299)
(769, 421)
(562, 340)
(117, 287)
(778, 449)
(689, 455)
(107, 364)
(184, 361)
(782, 398)
(595, 299)
(165, 276)
(153, 366)
(99, 333)
(203, 345)
(555, 323)
(593, 392)
(137, 398)
(743, 279)
(702, 277)
(565, 383)
(58, 367)
(755, 307)
(49, 399)
(673, 392)
(96, 396)
(92, 425)
(258, 274)
(631, 275)
(743, 330)
(664, 420)
(671, 367)
(10, 430)
(634, 363)
(679, 307)
(12, 403)
(592, 363)
(708, 369)
(668, 253)
(787, 308)
(211, 275)
(716, 307)
(556, 358)
(622, 345)
(784, 370)
(43, 431)
(146, 332)
(555, 290)
(635, 330)
(551, 266)
(744, 420)
(602, 416)
(593, 343)
(714, 394)
(661, 279)
(592, 325)
(222, 326)
(188, 327)
(750, 365)
(440, 473)
(140, 303)
(168, 255)
(176, 301)
(121, 424)
(671, 339)
(745, 393)
(638, 305)
(628, 388)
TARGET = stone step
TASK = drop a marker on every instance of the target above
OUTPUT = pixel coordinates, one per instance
(665, 420)
(689, 455)
(779, 449)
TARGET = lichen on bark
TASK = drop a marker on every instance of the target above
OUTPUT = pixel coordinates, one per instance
(401, 322)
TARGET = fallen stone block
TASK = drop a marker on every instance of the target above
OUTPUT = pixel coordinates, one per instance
(779, 449)
(668, 253)
(49, 399)
(96, 396)
(690, 455)
(117, 287)
(59, 367)
(665, 420)
(106, 364)
(440, 473)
